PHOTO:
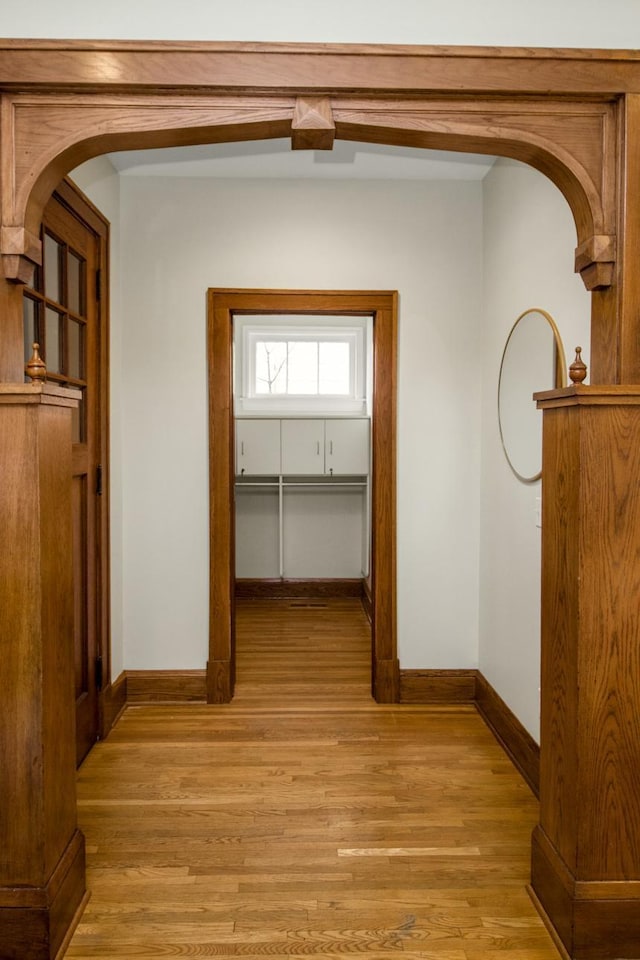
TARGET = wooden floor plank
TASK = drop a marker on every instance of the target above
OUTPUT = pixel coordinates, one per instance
(303, 819)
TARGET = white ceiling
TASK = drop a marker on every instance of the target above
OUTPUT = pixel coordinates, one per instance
(257, 159)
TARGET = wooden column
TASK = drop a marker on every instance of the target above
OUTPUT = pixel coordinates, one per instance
(41, 849)
(586, 849)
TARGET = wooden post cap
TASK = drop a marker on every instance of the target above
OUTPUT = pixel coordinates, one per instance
(578, 369)
(36, 368)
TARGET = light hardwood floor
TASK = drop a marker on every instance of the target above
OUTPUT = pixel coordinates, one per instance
(304, 820)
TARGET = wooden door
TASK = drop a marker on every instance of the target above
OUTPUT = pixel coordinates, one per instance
(63, 313)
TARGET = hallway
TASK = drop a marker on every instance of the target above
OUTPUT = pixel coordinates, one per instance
(303, 819)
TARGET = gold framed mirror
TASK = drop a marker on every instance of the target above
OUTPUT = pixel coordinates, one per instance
(533, 359)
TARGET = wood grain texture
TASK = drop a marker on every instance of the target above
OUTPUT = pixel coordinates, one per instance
(165, 686)
(312, 823)
(80, 65)
(312, 126)
(34, 923)
(516, 739)
(40, 848)
(114, 700)
(568, 113)
(437, 686)
(279, 589)
(588, 874)
(222, 304)
(470, 686)
(220, 669)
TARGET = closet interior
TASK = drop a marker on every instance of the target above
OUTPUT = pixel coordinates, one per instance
(302, 411)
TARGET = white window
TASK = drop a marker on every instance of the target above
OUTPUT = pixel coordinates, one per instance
(300, 364)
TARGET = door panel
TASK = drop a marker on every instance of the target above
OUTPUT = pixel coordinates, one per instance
(63, 314)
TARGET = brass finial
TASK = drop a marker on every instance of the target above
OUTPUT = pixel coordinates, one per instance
(578, 369)
(36, 368)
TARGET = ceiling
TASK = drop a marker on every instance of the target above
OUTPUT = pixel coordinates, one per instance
(258, 159)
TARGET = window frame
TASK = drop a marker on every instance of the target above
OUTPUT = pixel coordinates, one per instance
(251, 330)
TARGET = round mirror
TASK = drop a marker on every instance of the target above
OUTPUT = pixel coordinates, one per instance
(533, 360)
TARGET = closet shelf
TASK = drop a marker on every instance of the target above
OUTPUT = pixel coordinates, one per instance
(323, 483)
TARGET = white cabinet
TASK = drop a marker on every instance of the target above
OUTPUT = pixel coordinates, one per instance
(302, 497)
(346, 447)
(325, 447)
(258, 447)
(302, 447)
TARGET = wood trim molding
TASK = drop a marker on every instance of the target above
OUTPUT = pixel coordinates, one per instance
(35, 921)
(166, 686)
(286, 589)
(509, 732)
(113, 702)
(575, 117)
(382, 305)
(596, 920)
(367, 602)
(437, 686)
(470, 686)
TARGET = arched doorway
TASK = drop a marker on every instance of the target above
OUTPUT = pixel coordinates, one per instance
(573, 116)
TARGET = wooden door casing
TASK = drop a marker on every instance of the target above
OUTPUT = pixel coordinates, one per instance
(223, 304)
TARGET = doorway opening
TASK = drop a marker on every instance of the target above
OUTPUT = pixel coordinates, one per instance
(378, 586)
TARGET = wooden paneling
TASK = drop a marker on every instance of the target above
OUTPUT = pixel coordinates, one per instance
(437, 686)
(222, 305)
(586, 863)
(41, 849)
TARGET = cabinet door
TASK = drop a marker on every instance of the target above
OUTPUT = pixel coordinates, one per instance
(303, 447)
(258, 447)
(347, 446)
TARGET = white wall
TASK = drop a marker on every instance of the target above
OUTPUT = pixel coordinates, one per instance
(529, 238)
(570, 23)
(101, 183)
(180, 237)
(573, 23)
(467, 260)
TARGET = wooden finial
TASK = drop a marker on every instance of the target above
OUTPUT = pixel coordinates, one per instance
(36, 368)
(578, 369)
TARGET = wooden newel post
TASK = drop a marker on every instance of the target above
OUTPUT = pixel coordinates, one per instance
(42, 879)
(586, 848)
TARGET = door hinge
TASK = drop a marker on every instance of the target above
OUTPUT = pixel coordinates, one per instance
(99, 480)
(99, 673)
(98, 284)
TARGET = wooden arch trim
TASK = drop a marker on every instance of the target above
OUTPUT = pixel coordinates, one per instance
(565, 112)
(383, 306)
(572, 143)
